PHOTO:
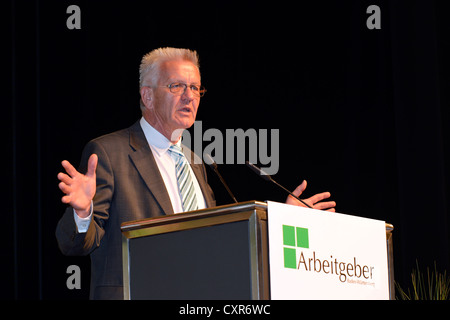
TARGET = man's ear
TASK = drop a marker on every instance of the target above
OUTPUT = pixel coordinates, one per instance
(147, 96)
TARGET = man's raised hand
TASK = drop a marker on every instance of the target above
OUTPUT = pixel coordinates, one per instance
(79, 189)
(313, 201)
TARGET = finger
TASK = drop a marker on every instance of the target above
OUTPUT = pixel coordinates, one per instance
(64, 188)
(319, 197)
(92, 165)
(331, 210)
(65, 199)
(69, 168)
(299, 190)
(325, 205)
(64, 178)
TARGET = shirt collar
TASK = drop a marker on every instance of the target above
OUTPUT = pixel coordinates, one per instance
(155, 138)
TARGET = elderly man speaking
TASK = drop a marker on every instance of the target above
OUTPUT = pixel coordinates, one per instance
(141, 171)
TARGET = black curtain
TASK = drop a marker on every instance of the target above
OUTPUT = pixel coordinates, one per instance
(362, 113)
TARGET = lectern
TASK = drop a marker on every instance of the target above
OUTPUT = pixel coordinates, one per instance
(219, 253)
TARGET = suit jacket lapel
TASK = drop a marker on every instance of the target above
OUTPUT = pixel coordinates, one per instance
(206, 189)
(145, 163)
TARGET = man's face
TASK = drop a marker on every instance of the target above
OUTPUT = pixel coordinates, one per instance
(174, 111)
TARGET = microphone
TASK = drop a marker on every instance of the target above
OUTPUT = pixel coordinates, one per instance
(267, 177)
(213, 165)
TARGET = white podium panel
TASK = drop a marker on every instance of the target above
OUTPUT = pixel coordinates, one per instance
(316, 254)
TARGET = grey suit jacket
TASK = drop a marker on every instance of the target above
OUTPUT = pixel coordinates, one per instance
(129, 187)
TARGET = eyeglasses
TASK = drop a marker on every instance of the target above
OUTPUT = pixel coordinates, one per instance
(179, 88)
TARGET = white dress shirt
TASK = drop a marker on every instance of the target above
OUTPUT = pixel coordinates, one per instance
(166, 165)
(159, 145)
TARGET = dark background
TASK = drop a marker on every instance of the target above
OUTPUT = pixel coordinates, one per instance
(362, 113)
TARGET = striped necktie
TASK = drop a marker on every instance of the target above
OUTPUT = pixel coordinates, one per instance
(184, 179)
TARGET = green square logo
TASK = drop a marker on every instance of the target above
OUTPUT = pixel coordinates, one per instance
(302, 238)
(289, 236)
(290, 259)
(293, 237)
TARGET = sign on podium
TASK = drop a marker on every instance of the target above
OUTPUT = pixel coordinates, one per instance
(317, 254)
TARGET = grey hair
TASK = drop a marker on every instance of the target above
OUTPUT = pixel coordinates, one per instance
(151, 62)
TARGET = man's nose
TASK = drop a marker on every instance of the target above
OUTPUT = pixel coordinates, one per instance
(188, 93)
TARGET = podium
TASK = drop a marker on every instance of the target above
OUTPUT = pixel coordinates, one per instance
(218, 253)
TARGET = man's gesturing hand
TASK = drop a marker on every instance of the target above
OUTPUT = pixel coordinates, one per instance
(313, 201)
(79, 189)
